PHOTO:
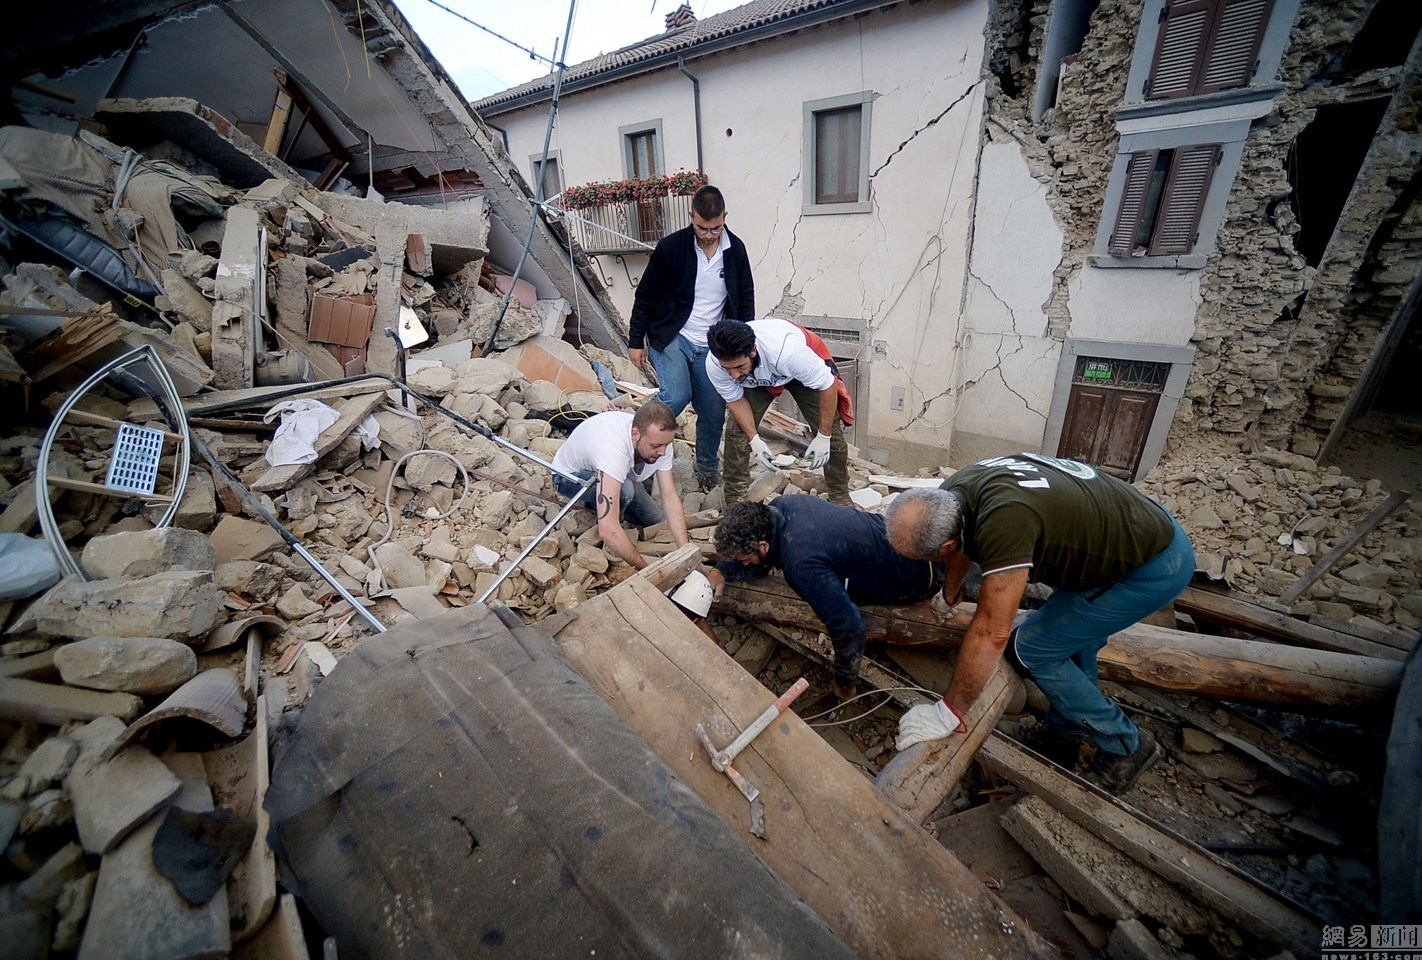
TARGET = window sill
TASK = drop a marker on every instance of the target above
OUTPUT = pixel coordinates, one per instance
(820, 209)
(1261, 93)
(1186, 261)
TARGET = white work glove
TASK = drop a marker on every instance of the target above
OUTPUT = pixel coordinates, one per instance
(818, 451)
(928, 721)
(761, 449)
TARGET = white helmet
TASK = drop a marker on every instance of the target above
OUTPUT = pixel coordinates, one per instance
(695, 594)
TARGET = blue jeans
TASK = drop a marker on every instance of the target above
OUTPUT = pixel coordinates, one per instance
(1057, 645)
(681, 371)
(636, 506)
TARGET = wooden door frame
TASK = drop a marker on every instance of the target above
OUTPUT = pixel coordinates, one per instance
(1180, 359)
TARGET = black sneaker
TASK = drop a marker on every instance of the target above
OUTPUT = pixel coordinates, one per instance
(1045, 740)
(1115, 773)
(707, 482)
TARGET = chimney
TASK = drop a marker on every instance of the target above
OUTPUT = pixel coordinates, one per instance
(682, 16)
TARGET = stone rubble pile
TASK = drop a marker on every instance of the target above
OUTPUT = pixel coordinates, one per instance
(1261, 520)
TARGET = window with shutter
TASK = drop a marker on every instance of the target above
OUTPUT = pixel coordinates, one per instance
(1205, 46)
(1161, 201)
(836, 155)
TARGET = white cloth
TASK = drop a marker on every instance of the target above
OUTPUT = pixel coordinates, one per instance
(301, 423)
(604, 444)
(369, 433)
(782, 356)
(710, 297)
(927, 721)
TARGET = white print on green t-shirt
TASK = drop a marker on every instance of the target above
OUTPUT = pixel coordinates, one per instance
(1030, 475)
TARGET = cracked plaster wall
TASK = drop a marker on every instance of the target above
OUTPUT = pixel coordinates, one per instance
(1009, 361)
(899, 268)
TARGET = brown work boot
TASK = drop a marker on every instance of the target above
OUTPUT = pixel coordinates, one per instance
(1115, 773)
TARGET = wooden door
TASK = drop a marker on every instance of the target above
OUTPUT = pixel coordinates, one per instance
(1107, 427)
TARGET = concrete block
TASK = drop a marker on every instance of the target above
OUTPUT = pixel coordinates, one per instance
(401, 568)
(239, 539)
(486, 375)
(141, 665)
(1132, 940)
(142, 554)
(112, 797)
(138, 914)
(236, 312)
(49, 764)
(182, 605)
(53, 704)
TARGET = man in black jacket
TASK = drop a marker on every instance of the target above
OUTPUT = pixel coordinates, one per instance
(833, 557)
(695, 276)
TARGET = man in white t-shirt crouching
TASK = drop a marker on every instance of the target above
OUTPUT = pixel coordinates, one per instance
(621, 449)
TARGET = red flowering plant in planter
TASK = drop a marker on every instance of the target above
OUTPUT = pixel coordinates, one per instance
(602, 193)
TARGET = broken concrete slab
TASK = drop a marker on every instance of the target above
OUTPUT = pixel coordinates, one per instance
(249, 577)
(486, 375)
(49, 764)
(237, 311)
(352, 412)
(401, 568)
(198, 511)
(180, 605)
(115, 795)
(141, 554)
(294, 604)
(31, 702)
(137, 914)
(141, 665)
(239, 539)
(239, 159)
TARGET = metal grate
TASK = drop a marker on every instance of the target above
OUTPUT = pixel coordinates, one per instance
(1145, 375)
(137, 452)
(836, 334)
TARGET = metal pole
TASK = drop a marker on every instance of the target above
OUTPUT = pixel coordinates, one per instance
(538, 189)
(572, 502)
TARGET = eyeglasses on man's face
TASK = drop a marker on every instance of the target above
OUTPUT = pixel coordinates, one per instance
(708, 228)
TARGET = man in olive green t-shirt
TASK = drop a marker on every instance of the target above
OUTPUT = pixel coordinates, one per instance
(1112, 557)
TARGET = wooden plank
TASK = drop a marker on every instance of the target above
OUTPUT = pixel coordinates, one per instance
(880, 882)
(94, 420)
(1189, 866)
(920, 778)
(54, 704)
(352, 412)
(1240, 613)
(281, 114)
(1249, 748)
(1386, 637)
(86, 486)
(36, 666)
(72, 341)
(1325, 563)
(1173, 660)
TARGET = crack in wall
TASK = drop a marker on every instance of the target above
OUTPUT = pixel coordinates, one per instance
(1002, 379)
(1012, 314)
(946, 110)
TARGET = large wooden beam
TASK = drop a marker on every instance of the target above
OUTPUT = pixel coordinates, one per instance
(1173, 660)
(882, 884)
(1232, 611)
(1190, 867)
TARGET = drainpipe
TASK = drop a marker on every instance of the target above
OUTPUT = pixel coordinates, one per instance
(696, 98)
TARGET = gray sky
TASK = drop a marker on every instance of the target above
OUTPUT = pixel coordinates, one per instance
(482, 65)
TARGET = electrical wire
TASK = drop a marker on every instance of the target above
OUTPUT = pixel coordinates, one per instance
(390, 511)
(871, 693)
(532, 54)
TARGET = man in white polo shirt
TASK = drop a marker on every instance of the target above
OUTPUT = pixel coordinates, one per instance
(749, 365)
(621, 449)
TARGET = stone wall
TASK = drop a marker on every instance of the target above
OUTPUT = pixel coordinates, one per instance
(1281, 345)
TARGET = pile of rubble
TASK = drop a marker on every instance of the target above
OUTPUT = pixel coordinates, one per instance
(1261, 520)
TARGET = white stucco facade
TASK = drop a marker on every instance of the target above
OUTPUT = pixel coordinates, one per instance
(896, 270)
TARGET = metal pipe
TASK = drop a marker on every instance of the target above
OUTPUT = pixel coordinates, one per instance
(696, 101)
(572, 502)
(286, 534)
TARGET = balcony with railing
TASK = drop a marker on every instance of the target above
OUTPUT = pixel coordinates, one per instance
(626, 216)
